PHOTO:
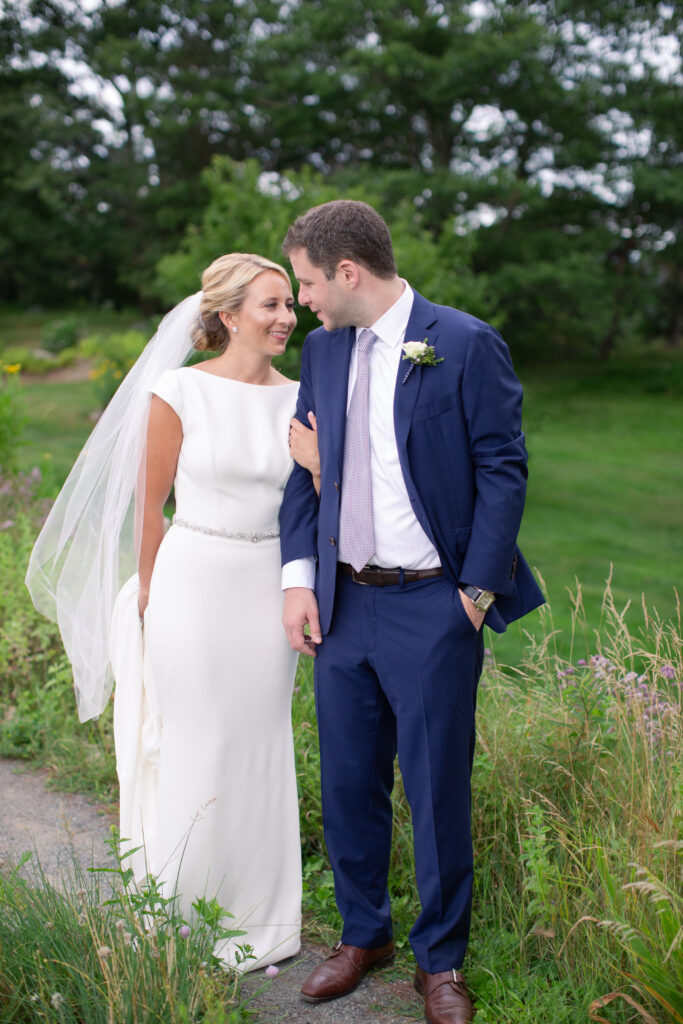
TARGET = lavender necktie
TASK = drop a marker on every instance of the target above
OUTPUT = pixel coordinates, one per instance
(356, 530)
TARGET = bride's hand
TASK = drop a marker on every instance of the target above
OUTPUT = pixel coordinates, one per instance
(303, 447)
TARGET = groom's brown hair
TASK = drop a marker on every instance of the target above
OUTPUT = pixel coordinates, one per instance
(343, 229)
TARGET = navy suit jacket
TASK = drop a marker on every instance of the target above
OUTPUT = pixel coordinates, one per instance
(461, 449)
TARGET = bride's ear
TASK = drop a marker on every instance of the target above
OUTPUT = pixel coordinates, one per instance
(226, 319)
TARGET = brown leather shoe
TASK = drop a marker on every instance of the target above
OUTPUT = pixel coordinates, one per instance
(343, 970)
(446, 998)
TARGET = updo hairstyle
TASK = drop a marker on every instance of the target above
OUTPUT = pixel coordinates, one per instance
(224, 286)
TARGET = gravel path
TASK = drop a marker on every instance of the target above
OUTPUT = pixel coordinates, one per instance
(57, 827)
(61, 826)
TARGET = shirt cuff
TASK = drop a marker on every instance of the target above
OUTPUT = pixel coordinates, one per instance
(299, 573)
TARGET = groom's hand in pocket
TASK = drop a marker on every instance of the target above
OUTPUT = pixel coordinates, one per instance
(301, 610)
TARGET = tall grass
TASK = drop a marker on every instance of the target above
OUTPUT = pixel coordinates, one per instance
(91, 953)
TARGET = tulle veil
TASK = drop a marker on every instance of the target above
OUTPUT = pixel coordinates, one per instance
(89, 544)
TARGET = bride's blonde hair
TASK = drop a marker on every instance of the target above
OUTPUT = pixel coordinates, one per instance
(224, 286)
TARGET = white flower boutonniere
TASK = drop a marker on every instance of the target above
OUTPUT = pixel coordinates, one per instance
(420, 353)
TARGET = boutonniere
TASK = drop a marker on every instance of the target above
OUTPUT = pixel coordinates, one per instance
(419, 353)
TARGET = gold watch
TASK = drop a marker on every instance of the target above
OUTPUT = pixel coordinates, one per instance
(482, 599)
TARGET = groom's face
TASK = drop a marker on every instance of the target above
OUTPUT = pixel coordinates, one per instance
(326, 297)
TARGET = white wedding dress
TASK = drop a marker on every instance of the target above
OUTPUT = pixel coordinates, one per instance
(204, 738)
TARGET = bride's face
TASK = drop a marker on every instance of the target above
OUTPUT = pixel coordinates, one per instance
(266, 318)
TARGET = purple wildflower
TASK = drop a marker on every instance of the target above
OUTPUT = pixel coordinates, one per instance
(667, 672)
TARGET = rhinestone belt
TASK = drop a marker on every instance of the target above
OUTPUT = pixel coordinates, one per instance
(226, 534)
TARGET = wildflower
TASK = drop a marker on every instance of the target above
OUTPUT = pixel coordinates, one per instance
(56, 999)
(184, 931)
(7, 524)
(272, 971)
(667, 672)
(582, 662)
(120, 925)
(104, 952)
(12, 367)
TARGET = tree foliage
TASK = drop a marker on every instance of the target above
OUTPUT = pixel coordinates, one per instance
(548, 132)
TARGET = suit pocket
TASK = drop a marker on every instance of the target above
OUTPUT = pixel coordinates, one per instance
(429, 409)
(466, 620)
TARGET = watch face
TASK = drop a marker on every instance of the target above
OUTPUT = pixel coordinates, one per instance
(484, 602)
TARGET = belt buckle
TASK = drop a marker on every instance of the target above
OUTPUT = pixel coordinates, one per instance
(355, 576)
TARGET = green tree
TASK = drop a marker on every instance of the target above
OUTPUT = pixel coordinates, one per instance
(250, 210)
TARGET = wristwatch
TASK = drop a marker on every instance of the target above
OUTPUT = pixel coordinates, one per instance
(482, 599)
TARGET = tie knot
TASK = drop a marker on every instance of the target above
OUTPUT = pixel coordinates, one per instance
(366, 340)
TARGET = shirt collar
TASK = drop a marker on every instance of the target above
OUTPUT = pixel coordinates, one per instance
(391, 326)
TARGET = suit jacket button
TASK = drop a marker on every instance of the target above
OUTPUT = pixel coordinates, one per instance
(333, 542)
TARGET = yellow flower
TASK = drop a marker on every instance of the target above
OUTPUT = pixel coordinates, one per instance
(47, 455)
(12, 367)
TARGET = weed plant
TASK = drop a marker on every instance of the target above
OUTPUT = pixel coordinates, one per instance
(91, 952)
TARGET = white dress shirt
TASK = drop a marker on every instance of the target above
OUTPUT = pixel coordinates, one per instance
(399, 538)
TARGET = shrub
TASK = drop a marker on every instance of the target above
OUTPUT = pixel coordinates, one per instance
(112, 355)
(35, 361)
(60, 334)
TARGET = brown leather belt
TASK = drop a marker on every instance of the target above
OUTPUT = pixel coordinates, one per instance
(375, 576)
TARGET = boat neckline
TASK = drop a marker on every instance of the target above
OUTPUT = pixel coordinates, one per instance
(233, 380)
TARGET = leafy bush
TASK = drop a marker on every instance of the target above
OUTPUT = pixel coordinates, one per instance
(112, 355)
(36, 361)
(60, 335)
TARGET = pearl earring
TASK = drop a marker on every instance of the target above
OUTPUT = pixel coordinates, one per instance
(234, 330)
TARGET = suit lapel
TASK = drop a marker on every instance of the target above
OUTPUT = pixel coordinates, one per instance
(421, 326)
(341, 347)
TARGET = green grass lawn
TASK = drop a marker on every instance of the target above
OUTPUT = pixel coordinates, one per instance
(605, 496)
(605, 490)
(60, 416)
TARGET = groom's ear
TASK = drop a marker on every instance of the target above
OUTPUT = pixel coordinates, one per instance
(349, 273)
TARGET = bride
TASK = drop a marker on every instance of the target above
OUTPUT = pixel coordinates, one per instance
(202, 711)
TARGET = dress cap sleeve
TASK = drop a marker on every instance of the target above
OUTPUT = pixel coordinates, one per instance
(168, 387)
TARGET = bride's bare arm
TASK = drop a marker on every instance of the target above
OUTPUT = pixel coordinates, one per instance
(164, 437)
(303, 447)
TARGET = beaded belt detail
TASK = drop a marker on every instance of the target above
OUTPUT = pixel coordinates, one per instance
(253, 537)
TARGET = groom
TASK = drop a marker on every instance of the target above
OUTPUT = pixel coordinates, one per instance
(410, 547)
